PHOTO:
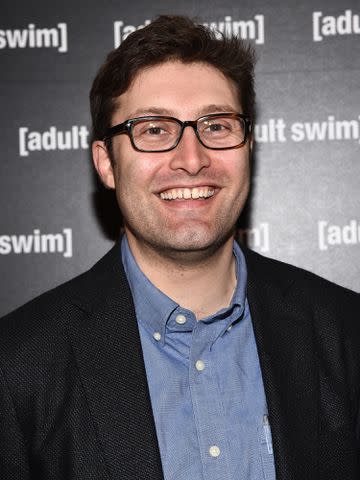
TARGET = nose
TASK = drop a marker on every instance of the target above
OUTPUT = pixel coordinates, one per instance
(190, 155)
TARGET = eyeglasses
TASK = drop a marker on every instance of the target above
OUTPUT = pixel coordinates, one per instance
(157, 133)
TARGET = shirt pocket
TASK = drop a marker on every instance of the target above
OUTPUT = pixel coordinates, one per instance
(266, 449)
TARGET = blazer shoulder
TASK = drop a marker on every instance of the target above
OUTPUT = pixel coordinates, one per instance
(318, 291)
(41, 318)
(48, 315)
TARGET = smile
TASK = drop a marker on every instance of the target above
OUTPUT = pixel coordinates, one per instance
(187, 193)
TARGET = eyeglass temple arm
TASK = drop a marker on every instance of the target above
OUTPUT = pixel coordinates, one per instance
(121, 128)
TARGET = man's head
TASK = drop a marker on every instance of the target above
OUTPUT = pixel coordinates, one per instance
(181, 201)
(170, 38)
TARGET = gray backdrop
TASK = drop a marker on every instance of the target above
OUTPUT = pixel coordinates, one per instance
(56, 220)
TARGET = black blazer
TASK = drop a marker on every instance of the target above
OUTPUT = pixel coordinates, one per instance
(74, 401)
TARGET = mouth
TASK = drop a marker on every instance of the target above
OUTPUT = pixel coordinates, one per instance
(195, 193)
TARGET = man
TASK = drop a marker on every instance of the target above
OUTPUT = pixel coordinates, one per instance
(180, 355)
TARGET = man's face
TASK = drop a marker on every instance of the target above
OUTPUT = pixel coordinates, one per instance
(142, 180)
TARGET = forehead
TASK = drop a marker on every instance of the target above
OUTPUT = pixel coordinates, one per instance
(178, 89)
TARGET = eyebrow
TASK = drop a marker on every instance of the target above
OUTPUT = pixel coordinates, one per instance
(212, 108)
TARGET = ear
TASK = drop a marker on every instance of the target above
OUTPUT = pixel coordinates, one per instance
(251, 143)
(102, 163)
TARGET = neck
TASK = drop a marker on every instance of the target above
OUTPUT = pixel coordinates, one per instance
(203, 283)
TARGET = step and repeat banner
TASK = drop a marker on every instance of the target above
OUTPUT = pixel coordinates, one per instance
(57, 220)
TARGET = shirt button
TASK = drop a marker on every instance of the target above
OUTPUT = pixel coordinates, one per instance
(214, 451)
(157, 336)
(180, 319)
(200, 365)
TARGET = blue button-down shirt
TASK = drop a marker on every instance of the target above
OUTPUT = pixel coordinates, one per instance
(205, 383)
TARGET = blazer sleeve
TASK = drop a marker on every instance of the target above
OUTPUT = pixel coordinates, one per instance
(14, 463)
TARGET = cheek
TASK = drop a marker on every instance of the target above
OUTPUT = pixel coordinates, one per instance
(125, 162)
(241, 180)
(240, 169)
(134, 174)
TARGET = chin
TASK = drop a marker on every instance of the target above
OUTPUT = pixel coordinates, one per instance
(192, 242)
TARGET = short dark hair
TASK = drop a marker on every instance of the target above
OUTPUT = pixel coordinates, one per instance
(170, 37)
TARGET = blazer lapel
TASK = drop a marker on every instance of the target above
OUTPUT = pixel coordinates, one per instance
(108, 352)
(283, 328)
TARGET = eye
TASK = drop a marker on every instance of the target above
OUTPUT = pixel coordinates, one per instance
(154, 130)
(216, 127)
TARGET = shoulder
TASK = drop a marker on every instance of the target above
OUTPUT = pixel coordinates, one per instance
(45, 319)
(326, 301)
(289, 276)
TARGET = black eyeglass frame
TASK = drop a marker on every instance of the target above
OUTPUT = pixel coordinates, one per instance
(127, 128)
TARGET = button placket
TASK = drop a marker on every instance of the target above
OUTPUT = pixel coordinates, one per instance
(208, 412)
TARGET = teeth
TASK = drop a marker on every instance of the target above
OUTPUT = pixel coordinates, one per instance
(195, 193)
(187, 193)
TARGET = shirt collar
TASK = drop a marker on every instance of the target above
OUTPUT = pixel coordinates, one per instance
(153, 308)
